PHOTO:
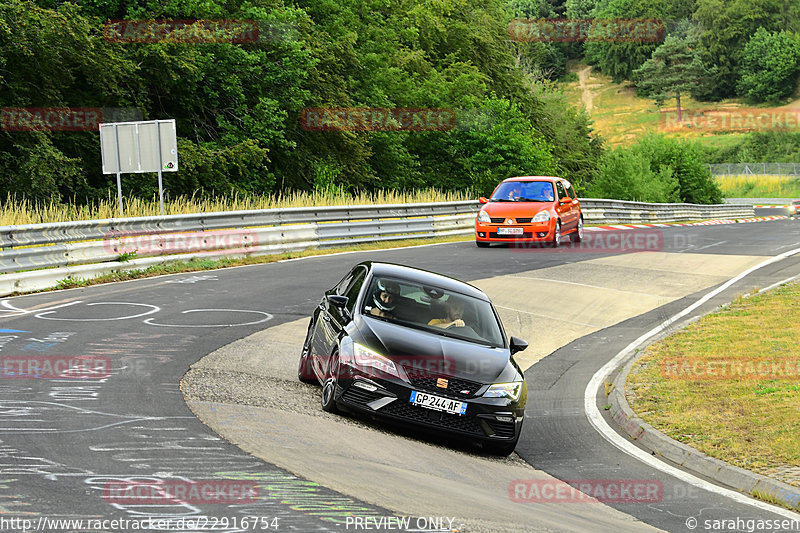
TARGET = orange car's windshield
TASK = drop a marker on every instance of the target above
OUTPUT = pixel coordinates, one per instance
(524, 191)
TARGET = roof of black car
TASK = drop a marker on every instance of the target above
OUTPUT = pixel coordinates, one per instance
(427, 278)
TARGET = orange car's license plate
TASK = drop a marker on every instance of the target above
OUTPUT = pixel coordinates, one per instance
(509, 231)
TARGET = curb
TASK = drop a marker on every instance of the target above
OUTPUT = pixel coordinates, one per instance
(686, 456)
(704, 223)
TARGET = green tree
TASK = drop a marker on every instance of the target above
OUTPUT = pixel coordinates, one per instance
(627, 175)
(479, 155)
(673, 71)
(770, 66)
(657, 169)
(620, 59)
(685, 161)
(726, 27)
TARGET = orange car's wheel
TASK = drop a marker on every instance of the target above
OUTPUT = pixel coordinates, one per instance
(556, 242)
(577, 235)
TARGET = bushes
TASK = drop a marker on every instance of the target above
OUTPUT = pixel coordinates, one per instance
(656, 169)
(760, 147)
(627, 175)
(770, 66)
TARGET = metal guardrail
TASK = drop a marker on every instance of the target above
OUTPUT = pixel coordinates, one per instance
(755, 169)
(68, 249)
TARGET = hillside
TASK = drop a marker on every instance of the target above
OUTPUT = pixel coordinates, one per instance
(621, 117)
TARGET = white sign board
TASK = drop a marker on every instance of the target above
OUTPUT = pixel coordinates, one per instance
(137, 144)
(136, 147)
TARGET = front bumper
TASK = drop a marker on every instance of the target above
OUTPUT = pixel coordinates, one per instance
(485, 420)
(488, 232)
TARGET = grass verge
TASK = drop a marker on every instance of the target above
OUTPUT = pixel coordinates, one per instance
(729, 384)
(23, 211)
(759, 186)
(196, 265)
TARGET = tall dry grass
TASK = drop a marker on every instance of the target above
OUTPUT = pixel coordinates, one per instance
(749, 186)
(22, 211)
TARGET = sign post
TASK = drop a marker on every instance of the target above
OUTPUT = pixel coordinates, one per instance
(137, 147)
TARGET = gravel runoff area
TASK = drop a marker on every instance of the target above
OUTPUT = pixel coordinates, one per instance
(249, 394)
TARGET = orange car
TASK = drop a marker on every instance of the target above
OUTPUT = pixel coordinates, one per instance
(794, 208)
(533, 209)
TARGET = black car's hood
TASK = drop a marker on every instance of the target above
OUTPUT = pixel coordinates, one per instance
(435, 353)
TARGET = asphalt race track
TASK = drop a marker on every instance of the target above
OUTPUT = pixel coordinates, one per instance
(66, 443)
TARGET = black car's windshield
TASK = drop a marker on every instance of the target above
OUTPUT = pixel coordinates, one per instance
(524, 191)
(432, 309)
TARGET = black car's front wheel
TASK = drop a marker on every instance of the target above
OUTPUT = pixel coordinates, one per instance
(304, 372)
(329, 387)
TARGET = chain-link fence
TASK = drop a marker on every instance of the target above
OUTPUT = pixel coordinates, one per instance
(755, 169)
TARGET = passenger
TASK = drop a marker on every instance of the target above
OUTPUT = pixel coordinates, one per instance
(455, 315)
(385, 298)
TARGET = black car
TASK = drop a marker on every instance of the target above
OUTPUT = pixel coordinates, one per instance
(418, 348)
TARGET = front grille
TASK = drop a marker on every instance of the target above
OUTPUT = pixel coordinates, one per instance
(523, 236)
(456, 387)
(524, 220)
(498, 220)
(360, 396)
(502, 429)
(401, 409)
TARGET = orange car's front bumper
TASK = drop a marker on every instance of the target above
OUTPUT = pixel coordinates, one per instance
(540, 232)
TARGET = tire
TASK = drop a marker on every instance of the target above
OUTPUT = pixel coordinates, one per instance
(556, 242)
(481, 244)
(329, 388)
(304, 371)
(503, 449)
(577, 235)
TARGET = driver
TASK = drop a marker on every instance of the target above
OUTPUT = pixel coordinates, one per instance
(385, 298)
(454, 318)
(515, 192)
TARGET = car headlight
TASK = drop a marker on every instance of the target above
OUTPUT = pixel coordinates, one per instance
(504, 390)
(363, 358)
(483, 216)
(541, 216)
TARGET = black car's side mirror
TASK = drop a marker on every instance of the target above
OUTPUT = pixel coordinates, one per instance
(516, 345)
(340, 303)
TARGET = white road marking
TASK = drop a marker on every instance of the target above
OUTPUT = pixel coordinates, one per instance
(602, 427)
(11, 307)
(154, 309)
(267, 317)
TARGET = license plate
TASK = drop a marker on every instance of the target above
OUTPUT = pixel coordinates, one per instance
(509, 231)
(437, 403)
